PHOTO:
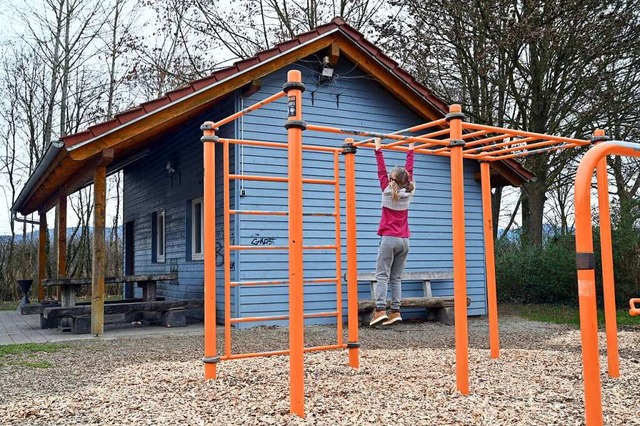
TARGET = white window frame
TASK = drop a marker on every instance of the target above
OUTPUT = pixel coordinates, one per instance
(161, 236)
(197, 255)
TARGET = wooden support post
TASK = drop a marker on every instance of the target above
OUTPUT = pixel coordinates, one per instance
(42, 254)
(61, 239)
(98, 265)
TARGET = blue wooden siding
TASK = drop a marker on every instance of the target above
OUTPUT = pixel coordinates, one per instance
(352, 101)
(148, 188)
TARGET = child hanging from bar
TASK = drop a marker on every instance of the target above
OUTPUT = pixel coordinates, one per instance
(397, 192)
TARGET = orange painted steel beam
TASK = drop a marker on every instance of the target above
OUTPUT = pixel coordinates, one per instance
(634, 307)
(283, 352)
(416, 128)
(256, 248)
(247, 110)
(282, 282)
(491, 147)
(586, 274)
(606, 257)
(209, 202)
(525, 154)
(336, 206)
(489, 260)
(278, 145)
(352, 253)
(373, 134)
(282, 317)
(226, 250)
(296, 268)
(480, 142)
(275, 213)
(459, 252)
(280, 179)
(475, 126)
(529, 147)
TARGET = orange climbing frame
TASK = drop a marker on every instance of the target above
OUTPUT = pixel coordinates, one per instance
(451, 137)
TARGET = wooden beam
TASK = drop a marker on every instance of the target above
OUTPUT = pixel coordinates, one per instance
(42, 253)
(333, 52)
(98, 266)
(61, 236)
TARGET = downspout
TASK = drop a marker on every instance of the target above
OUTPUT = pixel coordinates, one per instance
(51, 153)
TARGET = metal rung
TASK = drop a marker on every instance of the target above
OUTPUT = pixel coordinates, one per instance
(281, 179)
(283, 317)
(281, 282)
(330, 247)
(284, 352)
(274, 213)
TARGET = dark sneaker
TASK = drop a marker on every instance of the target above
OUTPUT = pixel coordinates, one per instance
(378, 317)
(393, 318)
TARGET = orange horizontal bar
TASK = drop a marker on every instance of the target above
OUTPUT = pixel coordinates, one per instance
(280, 179)
(411, 129)
(495, 147)
(524, 154)
(281, 282)
(238, 247)
(282, 317)
(258, 212)
(285, 352)
(281, 145)
(467, 125)
(373, 134)
(480, 142)
(528, 147)
(247, 110)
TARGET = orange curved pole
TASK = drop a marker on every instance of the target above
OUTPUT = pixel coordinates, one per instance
(634, 307)
(586, 274)
(606, 256)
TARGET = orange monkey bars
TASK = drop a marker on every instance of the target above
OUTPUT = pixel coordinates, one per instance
(452, 137)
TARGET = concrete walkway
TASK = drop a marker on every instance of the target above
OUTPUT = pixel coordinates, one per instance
(16, 328)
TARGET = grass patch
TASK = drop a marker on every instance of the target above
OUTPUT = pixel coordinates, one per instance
(29, 348)
(563, 314)
(8, 306)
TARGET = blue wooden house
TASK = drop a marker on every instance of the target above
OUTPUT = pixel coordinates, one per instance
(158, 147)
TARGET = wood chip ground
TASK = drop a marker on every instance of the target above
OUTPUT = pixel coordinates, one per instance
(407, 377)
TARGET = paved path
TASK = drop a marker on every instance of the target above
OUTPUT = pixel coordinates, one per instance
(16, 328)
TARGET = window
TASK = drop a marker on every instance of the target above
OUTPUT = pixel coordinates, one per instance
(197, 229)
(160, 236)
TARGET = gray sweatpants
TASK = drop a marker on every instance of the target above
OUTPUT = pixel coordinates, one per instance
(392, 255)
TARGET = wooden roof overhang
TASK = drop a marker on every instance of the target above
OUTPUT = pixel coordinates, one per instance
(133, 131)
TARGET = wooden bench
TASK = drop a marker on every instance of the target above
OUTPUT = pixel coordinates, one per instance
(439, 308)
(70, 287)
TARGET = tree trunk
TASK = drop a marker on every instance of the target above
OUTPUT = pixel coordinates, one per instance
(533, 212)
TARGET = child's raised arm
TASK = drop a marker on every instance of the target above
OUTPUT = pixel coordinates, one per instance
(409, 161)
(382, 168)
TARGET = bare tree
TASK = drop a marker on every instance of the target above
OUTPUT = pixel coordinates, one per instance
(539, 65)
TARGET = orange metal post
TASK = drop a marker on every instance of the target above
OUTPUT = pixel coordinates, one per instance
(295, 125)
(352, 256)
(608, 283)
(210, 356)
(336, 207)
(226, 250)
(456, 144)
(489, 261)
(586, 275)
